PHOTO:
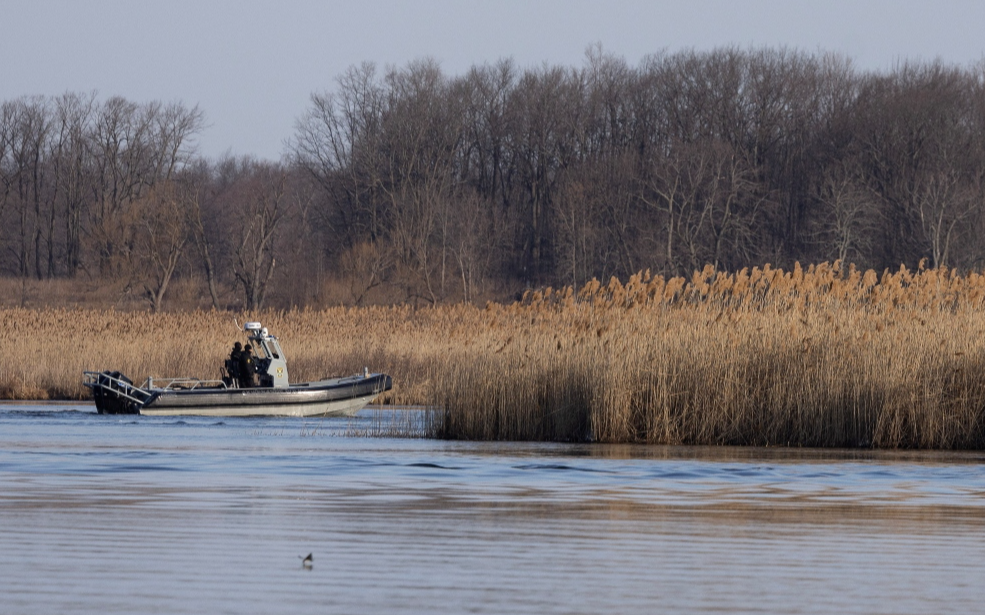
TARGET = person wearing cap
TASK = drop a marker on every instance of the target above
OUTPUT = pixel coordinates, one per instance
(247, 368)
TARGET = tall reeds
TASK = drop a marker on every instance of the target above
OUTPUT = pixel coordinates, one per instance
(819, 357)
(823, 356)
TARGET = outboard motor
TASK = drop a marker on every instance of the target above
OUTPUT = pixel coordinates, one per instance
(114, 394)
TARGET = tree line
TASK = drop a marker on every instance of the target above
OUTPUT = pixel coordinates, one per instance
(407, 184)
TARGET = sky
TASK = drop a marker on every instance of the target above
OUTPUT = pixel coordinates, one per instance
(252, 66)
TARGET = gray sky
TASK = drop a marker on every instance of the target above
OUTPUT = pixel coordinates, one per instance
(251, 66)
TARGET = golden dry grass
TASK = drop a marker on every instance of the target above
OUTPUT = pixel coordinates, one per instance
(46, 350)
(826, 356)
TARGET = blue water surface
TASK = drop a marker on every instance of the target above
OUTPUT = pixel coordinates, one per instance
(130, 514)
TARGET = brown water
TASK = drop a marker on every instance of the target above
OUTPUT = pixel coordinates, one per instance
(142, 515)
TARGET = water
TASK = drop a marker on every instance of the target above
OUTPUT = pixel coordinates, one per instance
(110, 514)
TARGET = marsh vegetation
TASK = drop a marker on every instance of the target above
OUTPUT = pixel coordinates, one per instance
(822, 356)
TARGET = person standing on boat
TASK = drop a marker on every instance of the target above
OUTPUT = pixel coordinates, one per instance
(232, 365)
(247, 368)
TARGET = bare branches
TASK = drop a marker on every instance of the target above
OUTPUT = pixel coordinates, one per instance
(160, 238)
(410, 184)
(257, 218)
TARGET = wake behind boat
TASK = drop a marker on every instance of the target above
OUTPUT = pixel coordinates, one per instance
(114, 393)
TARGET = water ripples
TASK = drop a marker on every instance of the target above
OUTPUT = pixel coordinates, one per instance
(126, 514)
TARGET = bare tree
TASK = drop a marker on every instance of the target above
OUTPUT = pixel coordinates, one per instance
(674, 189)
(121, 138)
(423, 131)
(545, 107)
(262, 207)
(485, 156)
(28, 143)
(73, 155)
(848, 214)
(732, 206)
(337, 142)
(175, 127)
(921, 152)
(472, 242)
(204, 241)
(134, 146)
(9, 170)
(575, 233)
(160, 238)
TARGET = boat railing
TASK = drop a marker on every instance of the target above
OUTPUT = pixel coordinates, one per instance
(182, 384)
(118, 385)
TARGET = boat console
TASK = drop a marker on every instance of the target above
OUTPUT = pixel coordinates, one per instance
(270, 361)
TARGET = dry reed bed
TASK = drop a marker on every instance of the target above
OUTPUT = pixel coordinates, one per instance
(819, 357)
(826, 356)
(47, 349)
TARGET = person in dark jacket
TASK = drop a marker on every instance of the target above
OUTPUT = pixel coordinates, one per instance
(235, 354)
(247, 368)
(232, 363)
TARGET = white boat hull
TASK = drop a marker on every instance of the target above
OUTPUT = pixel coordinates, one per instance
(344, 407)
(115, 394)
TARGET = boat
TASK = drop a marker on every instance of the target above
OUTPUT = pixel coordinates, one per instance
(274, 395)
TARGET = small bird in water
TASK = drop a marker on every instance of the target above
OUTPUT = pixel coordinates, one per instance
(308, 561)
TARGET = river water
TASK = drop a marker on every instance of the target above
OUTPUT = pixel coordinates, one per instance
(111, 514)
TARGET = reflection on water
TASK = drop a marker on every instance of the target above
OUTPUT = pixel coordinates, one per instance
(138, 514)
